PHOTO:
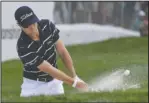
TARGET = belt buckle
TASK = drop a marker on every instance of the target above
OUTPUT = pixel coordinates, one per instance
(37, 79)
(45, 79)
(42, 79)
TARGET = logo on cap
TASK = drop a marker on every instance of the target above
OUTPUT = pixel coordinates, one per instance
(23, 17)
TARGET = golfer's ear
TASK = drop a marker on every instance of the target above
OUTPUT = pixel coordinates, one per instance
(18, 24)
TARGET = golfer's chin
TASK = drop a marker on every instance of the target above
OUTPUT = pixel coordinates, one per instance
(34, 33)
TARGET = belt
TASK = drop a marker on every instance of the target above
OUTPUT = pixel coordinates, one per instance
(35, 77)
(42, 79)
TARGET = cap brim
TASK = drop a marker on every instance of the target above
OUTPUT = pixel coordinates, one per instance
(30, 21)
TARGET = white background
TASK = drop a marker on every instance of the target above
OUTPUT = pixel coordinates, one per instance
(44, 10)
(74, 34)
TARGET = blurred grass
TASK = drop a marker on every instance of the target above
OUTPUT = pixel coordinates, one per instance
(90, 60)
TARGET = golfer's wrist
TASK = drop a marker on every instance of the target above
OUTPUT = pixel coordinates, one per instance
(74, 83)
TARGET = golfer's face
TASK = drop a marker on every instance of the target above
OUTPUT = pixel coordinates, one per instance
(31, 29)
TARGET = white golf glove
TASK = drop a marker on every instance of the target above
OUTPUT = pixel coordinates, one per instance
(76, 79)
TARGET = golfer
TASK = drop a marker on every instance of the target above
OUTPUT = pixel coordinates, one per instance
(37, 48)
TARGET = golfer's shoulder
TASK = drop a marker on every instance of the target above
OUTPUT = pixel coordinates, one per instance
(22, 44)
(47, 22)
(43, 22)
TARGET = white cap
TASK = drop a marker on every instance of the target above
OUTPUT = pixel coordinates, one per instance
(141, 13)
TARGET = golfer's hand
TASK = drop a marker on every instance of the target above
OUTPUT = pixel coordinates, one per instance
(82, 86)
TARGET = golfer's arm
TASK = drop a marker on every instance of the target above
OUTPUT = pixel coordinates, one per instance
(65, 56)
(55, 73)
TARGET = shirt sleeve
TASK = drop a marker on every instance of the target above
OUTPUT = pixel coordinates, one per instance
(29, 58)
(55, 32)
